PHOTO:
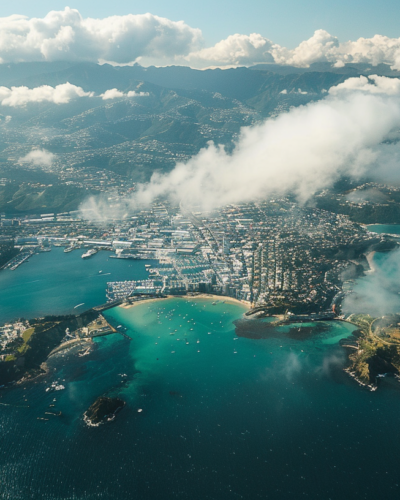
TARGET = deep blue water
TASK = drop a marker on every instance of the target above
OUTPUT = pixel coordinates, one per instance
(222, 417)
(55, 282)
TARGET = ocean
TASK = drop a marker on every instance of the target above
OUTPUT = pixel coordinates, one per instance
(384, 228)
(209, 415)
(55, 282)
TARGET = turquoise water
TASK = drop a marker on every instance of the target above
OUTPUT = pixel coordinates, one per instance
(222, 417)
(55, 282)
(384, 228)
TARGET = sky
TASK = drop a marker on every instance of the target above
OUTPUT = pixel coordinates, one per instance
(286, 22)
(207, 35)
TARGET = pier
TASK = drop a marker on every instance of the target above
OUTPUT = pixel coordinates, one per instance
(124, 335)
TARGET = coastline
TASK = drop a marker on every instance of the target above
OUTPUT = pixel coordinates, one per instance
(221, 298)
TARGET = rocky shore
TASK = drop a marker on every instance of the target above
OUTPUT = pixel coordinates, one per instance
(103, 410)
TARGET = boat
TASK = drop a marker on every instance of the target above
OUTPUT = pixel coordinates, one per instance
(68, 249)
(55, 387)
(89, 253)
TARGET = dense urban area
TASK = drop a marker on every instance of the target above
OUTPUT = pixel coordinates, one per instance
(276, 255)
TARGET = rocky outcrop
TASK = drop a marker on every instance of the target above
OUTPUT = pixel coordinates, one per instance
(103, 410)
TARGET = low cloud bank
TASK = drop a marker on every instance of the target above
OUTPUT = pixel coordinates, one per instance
(116, 94)
(294, 367)
(377, 293)
(21, 96)
(300, 152)
(61, 94)
(38, 158)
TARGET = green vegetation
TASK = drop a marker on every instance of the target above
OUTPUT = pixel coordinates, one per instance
(27, 334)
(29, 198)
(33, 349)
(375, 354)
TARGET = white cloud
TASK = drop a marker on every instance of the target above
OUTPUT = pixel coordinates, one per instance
(377, 293)
(38, 158)
(373, 84)
(66, 35)
(233, 51)
(21, 96)
(150, 39)
(61, 94)
(115, 94)
(302, 152)
(321, 47)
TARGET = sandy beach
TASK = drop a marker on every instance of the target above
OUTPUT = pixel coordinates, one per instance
(219, 298)
(370, 259)
(137, 302)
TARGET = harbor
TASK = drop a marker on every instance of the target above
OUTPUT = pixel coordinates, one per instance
(42, 286)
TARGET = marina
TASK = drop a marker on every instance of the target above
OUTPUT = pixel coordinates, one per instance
(18, 260)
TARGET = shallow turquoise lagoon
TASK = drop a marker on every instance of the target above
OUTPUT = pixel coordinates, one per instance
(222, 417)
(384, 228)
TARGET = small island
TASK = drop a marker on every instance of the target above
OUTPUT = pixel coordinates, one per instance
(103, 410)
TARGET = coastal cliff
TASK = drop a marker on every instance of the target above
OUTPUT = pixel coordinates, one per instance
(48, 334)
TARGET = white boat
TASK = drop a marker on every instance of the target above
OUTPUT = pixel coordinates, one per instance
(89, 253)
(55, 387)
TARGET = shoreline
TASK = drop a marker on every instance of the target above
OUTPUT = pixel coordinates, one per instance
(380, 224)
(370, 260)
(221, 298)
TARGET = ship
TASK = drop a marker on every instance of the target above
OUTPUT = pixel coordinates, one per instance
(89, 253)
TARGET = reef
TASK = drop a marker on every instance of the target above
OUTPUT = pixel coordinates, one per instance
(258, 329)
